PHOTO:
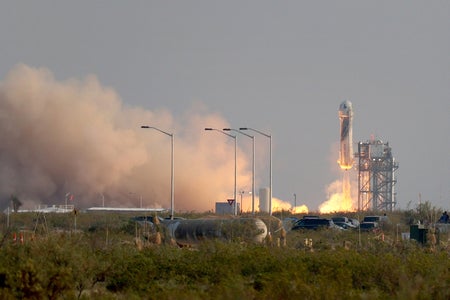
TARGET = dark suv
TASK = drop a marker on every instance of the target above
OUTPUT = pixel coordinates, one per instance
(313, 223)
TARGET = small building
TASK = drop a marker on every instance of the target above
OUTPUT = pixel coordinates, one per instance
(224, 208)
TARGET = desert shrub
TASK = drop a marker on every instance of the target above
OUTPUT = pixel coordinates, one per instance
(107, 263)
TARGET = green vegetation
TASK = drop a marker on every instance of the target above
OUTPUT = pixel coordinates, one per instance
(105, 256)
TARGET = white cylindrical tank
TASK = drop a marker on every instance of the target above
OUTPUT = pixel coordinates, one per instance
(264, 199)
(190, 232)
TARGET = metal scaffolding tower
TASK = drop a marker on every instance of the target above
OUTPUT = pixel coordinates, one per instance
(376, 180)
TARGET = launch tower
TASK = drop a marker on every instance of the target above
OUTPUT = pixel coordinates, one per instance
(376, 181)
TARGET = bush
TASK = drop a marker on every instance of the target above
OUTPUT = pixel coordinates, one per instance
(108, 263)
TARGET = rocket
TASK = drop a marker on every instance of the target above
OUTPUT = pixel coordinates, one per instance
(346, 140)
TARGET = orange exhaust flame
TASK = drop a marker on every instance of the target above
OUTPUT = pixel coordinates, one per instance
(302, 209)
(345, 166)
(280, 205)
(339, 201)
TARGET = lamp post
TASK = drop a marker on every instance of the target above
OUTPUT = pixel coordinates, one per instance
(295, 200)
(241, 193)
(140, 198)
(235, 163)
(103, 199)
(253, 164)
(172, 167)
(270, 163)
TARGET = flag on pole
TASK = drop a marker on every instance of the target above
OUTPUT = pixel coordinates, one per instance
(69, 196)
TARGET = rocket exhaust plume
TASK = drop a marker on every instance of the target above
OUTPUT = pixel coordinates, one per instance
(76, 136)
(340, 197)
(280, 205)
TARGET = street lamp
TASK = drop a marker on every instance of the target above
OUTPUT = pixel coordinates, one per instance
(172, 167)
(235, 162)
(103, 199)
(241, 193)
(253, 164)
(270, 163)
(295, 200)
(140, 198)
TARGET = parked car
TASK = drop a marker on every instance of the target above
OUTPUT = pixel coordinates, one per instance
(373, 219)
(343, 222)
(369, 226)
(355, 222)
(313, 223)
(370, 223)
(310, 217)
(289, 222)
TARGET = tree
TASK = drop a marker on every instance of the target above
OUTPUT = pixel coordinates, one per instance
(16, 203)
(424, 213)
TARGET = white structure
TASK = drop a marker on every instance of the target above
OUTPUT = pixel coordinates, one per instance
(376, 176)
(42, 208)
(125, 209)
(264, 197)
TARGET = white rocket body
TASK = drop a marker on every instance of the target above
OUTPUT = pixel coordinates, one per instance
(346, 138)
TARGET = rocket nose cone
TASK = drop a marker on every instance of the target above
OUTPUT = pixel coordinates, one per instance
(345, 107)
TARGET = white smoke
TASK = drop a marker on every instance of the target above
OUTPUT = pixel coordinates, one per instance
(336, 201)
(77, 136)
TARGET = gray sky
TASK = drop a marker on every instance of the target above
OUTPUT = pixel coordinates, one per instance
(282, 67)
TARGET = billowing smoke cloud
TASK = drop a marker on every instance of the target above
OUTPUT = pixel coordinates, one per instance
(337, 201)
(77, 136)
